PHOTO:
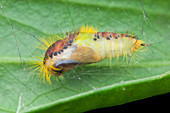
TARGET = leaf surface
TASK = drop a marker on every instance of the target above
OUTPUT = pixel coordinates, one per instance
(88, 87)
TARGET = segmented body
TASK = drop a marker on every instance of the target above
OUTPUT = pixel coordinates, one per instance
(87, 46)
(102, 44)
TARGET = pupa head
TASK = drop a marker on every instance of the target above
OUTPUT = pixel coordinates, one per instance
(57, 58)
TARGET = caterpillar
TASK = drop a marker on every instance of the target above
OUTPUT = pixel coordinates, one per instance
(84, 46)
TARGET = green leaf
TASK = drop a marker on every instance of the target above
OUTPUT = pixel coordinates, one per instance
(88, 87)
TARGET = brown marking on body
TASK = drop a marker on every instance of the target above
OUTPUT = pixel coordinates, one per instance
(60, 44)
(113, 35)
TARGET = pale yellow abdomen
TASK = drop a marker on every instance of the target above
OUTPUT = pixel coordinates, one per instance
(111, 48)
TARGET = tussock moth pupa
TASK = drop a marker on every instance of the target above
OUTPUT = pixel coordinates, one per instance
(23, 22)
(83, 47)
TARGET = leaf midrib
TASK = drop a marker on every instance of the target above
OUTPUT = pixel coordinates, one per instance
(150, 63)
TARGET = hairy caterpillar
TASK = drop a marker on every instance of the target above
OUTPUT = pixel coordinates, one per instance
(17, 79)
(82, 47)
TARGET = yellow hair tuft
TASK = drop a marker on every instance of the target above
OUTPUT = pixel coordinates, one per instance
(88, 29)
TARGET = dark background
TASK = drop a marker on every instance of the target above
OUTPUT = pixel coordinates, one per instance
(159, 103)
